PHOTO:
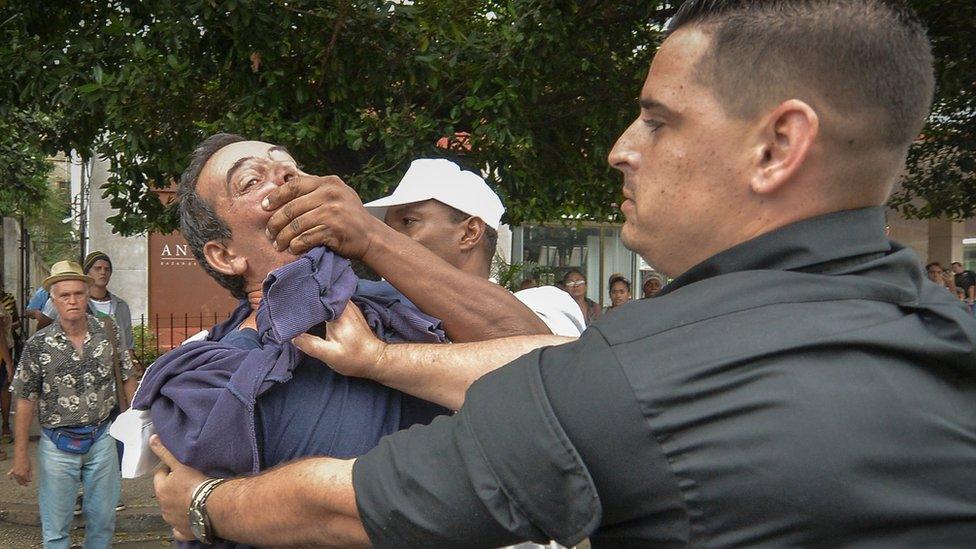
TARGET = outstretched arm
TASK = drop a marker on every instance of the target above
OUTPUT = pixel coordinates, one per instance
(313, 499)
(437, 373)
(312, 211)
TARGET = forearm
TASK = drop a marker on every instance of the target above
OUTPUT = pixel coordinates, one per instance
(129, 388)
(305, 503)
(22, 423)
(471, 308)
(443, 373)
(5, 355)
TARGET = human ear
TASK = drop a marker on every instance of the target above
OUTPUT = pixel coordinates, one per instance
(474, 231)
(223, 260)
(786, 139)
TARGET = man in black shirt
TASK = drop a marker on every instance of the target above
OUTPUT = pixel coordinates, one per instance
(798, 383)
(966, 280)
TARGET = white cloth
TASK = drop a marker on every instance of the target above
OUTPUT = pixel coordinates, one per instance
(556, 308)
(104, 307)
(133, 428)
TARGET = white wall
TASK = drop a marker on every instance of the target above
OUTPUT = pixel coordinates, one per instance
(130, 275)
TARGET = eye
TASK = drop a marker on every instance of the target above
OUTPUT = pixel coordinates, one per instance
(654, 125)
(288, 177)
(249, 182)
(408, 221)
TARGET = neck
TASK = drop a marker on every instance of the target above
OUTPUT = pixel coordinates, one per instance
(474, 266)
(75, 328)
(98, 293)
(254, 297)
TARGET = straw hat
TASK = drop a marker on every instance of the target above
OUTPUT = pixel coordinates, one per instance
(66, 270)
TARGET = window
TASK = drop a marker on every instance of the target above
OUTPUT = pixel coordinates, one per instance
(549, 251)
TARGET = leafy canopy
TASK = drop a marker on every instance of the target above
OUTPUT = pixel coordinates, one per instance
(532, 92)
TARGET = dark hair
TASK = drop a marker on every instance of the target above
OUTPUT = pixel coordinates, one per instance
(199, 223)
(954, 263)
(489, 242)
(571, 271)
(864, 58)
(92, 257)
(618, 278)
(929, 266)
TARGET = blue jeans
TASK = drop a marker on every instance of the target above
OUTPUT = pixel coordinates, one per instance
(59, 475)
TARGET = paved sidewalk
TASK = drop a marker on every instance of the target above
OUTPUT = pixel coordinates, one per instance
(140, 522)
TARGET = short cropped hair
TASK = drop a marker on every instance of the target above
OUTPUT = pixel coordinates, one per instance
(489, 242)
(199, 223)
(860, 57)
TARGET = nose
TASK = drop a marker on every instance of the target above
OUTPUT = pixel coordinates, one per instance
(622, 155)
(281, 173)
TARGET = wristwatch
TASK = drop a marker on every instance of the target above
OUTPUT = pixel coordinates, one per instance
(199, 519)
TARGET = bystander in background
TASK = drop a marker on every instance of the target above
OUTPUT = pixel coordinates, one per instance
(575, 285)
(653, 283)
(619, 291)
(8, 307)
(941, 277)
(965, 280)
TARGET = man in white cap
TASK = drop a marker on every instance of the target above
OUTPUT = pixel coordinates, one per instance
(453, 214)
(67, 373)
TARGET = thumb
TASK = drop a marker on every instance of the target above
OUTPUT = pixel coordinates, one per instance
(311, 345)
(157, 447)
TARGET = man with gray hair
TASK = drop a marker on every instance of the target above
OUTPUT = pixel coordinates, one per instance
(68, 374)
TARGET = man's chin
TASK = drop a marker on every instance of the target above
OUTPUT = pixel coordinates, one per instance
(628, 236)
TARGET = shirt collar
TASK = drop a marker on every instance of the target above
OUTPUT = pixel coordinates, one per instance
(803, 245)
(58, 331)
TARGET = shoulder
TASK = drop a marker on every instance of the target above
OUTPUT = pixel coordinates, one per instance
(546, 297)
(38, 340)
(556, 308)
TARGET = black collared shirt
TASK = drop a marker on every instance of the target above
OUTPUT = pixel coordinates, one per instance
(807, 388)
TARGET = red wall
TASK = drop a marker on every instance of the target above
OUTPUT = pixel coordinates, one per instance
(182, 297)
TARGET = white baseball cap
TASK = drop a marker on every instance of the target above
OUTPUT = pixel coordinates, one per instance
(445, 182)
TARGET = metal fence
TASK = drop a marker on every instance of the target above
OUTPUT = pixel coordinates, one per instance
(156, 334)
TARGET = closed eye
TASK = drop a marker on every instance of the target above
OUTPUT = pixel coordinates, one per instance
(654, 125)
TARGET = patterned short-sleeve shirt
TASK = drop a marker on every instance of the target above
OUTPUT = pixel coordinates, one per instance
(70, 388)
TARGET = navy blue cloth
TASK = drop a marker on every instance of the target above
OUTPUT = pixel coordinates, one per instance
(202, 396)
(245, 338)
(244, 399)
(309, 416)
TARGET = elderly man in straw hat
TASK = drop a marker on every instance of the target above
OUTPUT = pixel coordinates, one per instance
(68, 373)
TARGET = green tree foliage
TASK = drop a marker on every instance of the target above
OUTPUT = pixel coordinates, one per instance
(941, 178)
(25, 191)
(23, 163)
(532, 92)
